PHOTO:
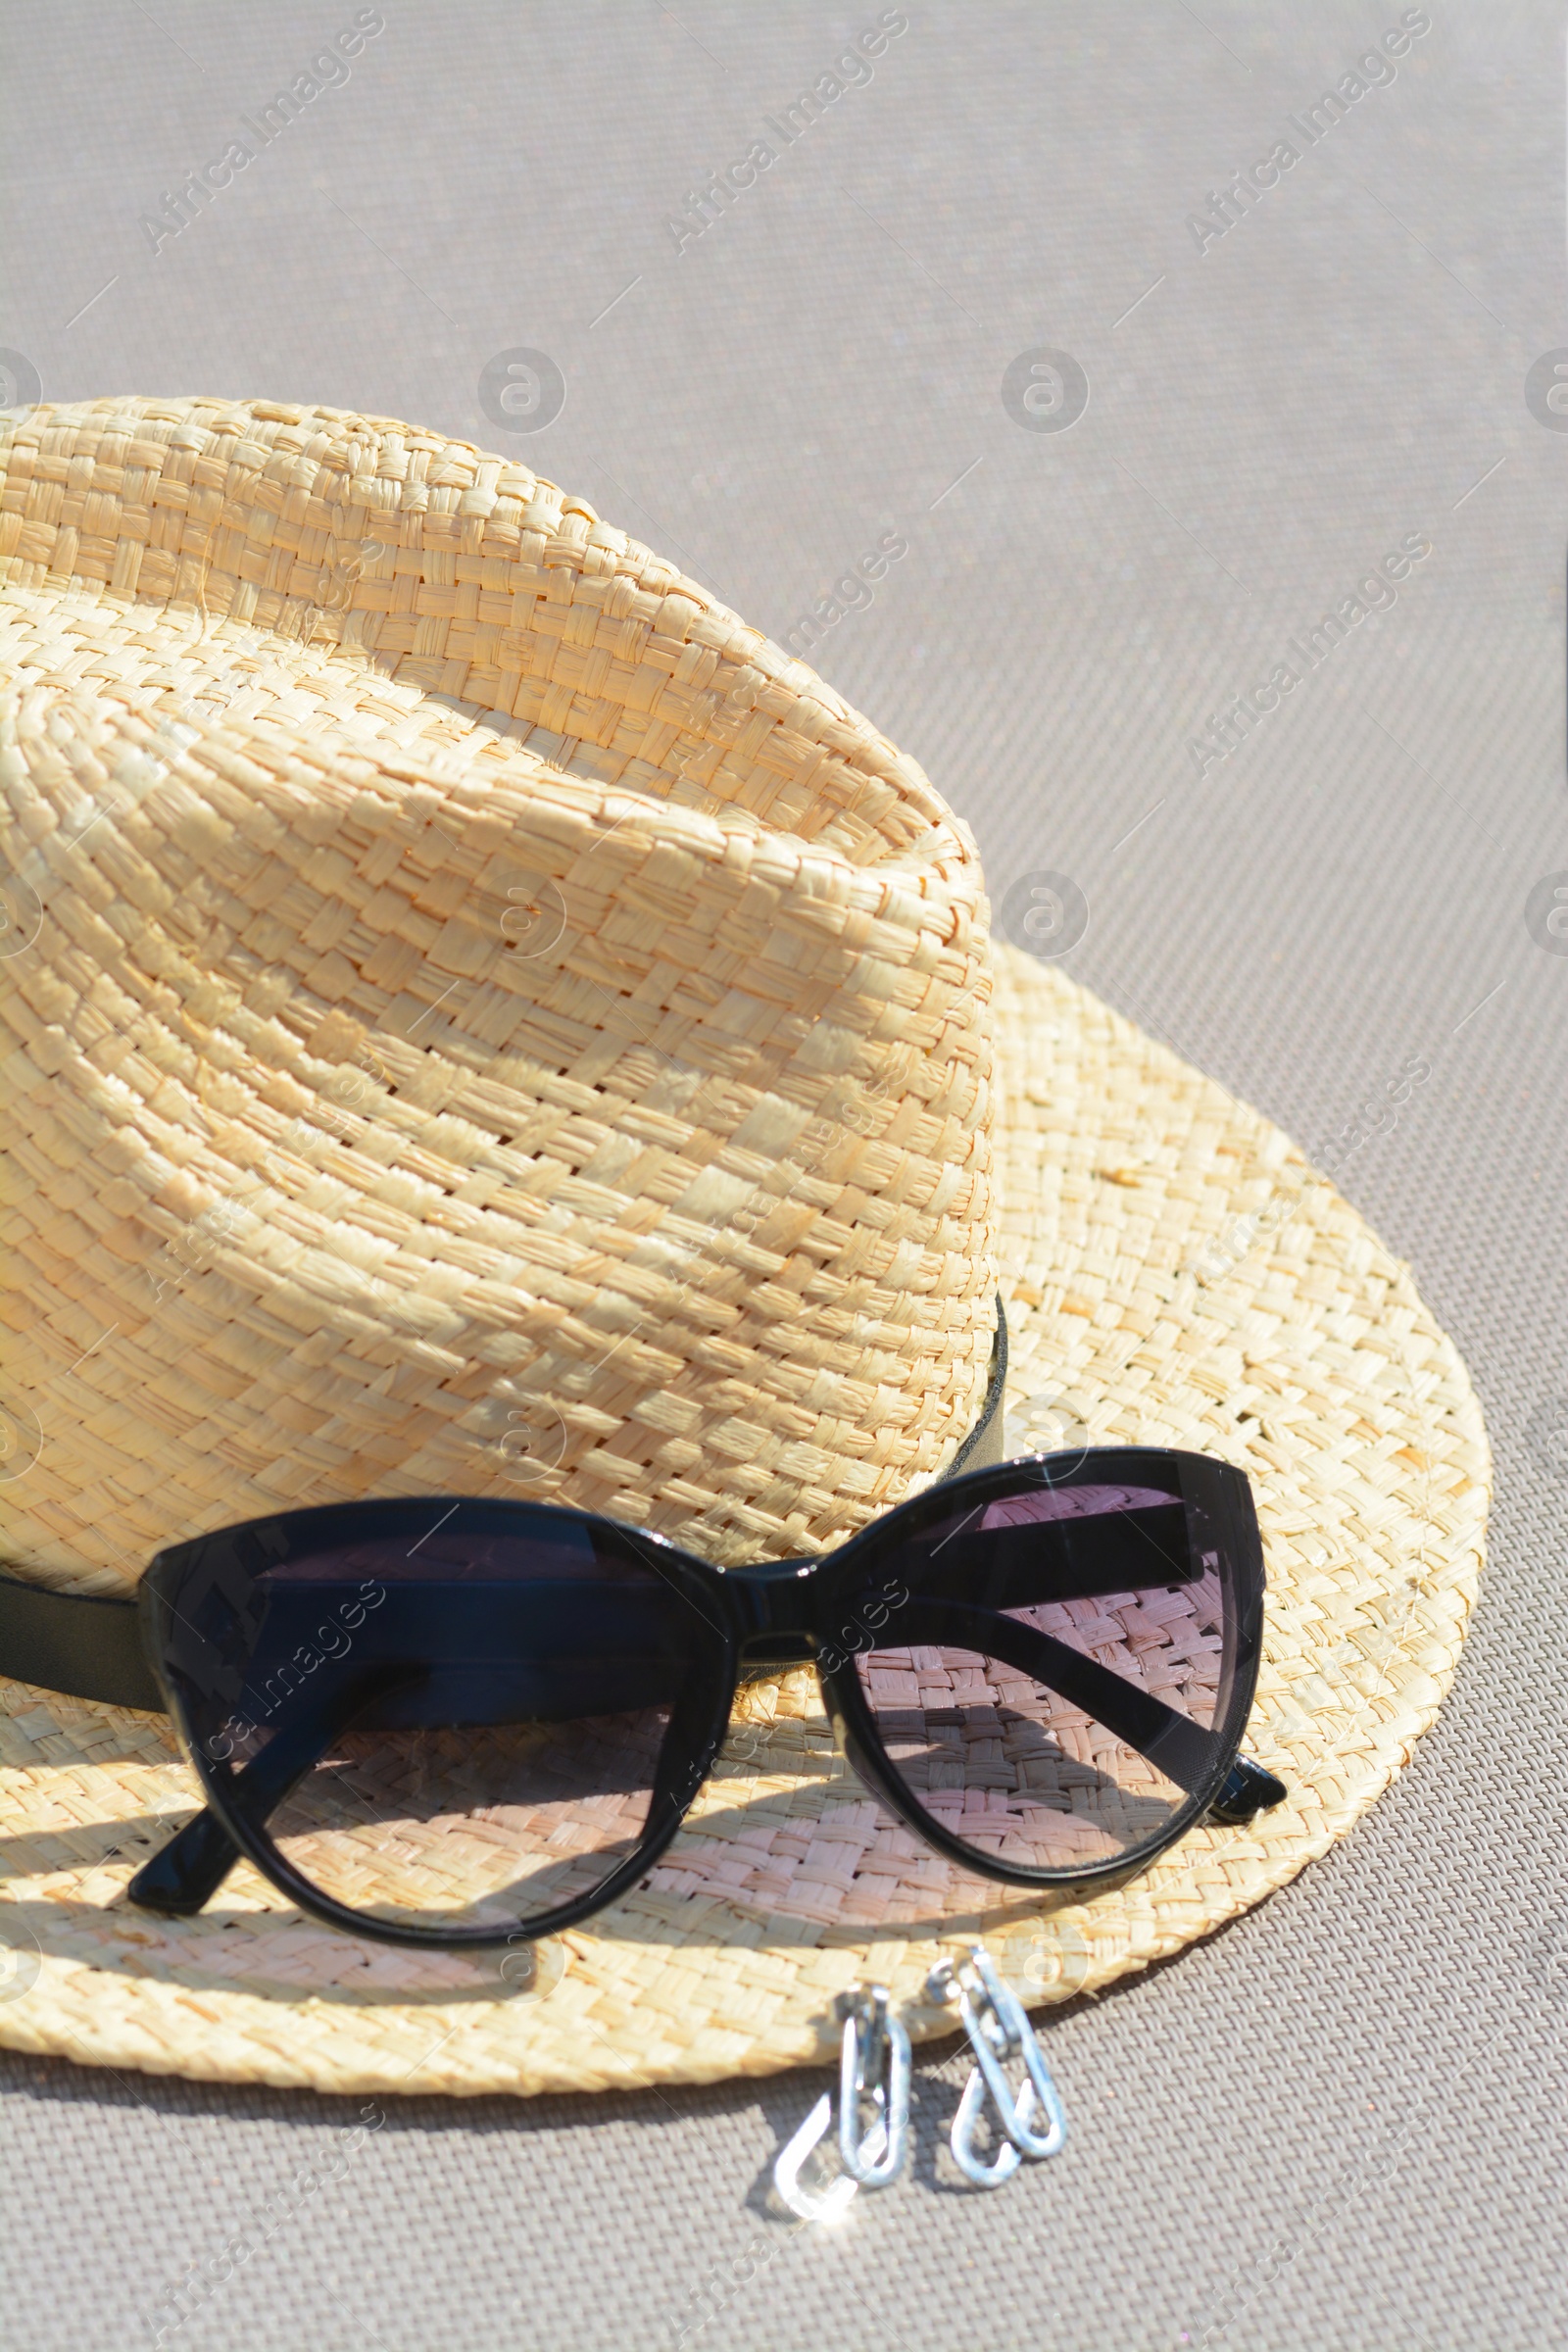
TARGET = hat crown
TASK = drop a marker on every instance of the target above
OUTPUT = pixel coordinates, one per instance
(494, 1024)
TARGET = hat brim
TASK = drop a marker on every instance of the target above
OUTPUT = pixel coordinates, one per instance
(1175, 1274)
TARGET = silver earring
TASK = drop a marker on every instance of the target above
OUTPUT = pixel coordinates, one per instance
(998, 2030)
(874, 2074)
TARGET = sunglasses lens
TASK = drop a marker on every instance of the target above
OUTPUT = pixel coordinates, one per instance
(454, 1728)
(1050, 1668)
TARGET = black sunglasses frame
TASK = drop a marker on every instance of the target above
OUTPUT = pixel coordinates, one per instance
(750, 1622)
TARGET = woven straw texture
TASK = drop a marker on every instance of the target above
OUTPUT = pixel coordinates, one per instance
(1175, 1273)
(500, 1025)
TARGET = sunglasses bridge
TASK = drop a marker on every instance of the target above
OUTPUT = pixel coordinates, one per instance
(777, 1607)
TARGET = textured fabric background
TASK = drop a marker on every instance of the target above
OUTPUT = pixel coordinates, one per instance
(1342, 2123)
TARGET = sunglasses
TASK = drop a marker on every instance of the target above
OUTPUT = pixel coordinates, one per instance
(457, 1722)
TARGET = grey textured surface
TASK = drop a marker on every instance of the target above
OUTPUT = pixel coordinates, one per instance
(1342, 2123)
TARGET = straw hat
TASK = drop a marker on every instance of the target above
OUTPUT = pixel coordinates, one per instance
(479, 1017)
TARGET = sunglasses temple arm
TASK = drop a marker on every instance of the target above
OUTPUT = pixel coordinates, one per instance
(183, 1875)
(1180, 1747)
(186, 1874)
